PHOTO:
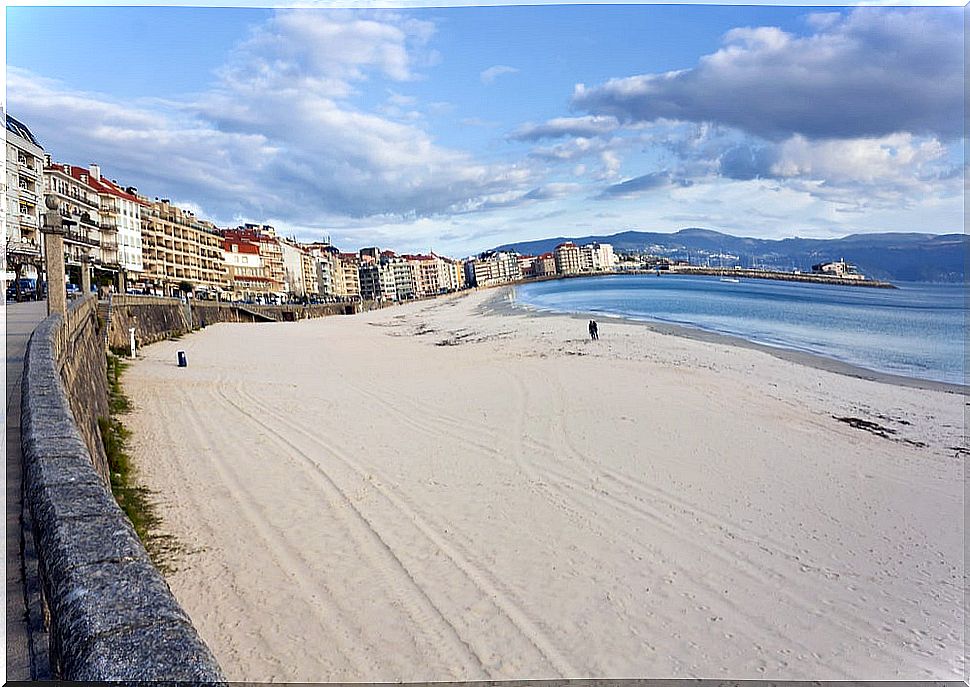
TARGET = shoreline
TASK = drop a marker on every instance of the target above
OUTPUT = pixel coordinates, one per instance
(499, 304)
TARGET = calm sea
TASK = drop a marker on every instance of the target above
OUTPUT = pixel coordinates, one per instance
(917, 330)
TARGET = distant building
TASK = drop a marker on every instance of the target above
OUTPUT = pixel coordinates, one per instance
(545, 265)
(179, 247)
(839, 268)
(527, 266)
(568, 260)
(492, 268)
(247, 275)
(24, 170)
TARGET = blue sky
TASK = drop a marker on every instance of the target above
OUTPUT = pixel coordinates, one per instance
(457, 129)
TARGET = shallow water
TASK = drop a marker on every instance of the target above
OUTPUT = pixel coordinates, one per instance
(917, 330)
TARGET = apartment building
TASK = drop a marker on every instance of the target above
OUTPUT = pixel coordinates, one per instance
(270, 251)
(248, 278)
(527, 266)
(545, 265)
(372, 287)
(178, 247)
(121, 216)
(24, 175)
(401, 273)
(597, 257)
(568, 258)
(347, 283)
(489, 269)
(85, 242)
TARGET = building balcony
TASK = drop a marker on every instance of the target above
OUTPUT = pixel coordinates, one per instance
(81, 239)
(27, 170)
(23, 247)
(28, 220)
(27, 194)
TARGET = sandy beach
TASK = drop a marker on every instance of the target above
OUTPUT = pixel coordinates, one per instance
(456, 489)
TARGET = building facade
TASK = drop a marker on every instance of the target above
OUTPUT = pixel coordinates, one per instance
(568, 260)
(178, 248)
(86, 246)
(24, 202)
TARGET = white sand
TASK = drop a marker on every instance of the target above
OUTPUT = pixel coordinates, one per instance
(363, 504)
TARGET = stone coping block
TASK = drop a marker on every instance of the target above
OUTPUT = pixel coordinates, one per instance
(112, 615)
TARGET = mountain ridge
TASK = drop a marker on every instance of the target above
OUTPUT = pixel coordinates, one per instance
(893, 256)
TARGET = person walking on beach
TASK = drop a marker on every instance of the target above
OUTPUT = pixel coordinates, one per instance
(593, 330)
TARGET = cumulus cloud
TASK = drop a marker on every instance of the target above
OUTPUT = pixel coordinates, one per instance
(870, 73)
(278, 135)
(560, 127)
(489, 75)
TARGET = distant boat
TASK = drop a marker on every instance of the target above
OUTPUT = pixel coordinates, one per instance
(733, 280)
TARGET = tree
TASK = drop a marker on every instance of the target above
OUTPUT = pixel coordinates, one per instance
(186, 287)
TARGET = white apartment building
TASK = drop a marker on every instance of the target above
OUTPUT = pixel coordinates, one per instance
(24, 201)
(568, 258)
(121, 214)
(597, 257)
(495, 268)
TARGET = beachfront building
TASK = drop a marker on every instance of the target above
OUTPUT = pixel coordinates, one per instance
(85, 246)
(24, 174)
(248, 278)
(178, 248)
(527, 266)
(597, 257)
(492, 268)
(402, 274)
(270, 252)
(545, 265)
(323, 264)
(347, 282)
(372, 287)
(425, 275)
(299, 270)
(121, 215)
(568, 259)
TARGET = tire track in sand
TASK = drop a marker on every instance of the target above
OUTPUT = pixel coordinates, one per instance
(487, 587)
(435, 631)
(284, 556)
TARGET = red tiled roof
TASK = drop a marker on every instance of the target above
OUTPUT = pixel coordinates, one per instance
(101, 185)
(244, 246)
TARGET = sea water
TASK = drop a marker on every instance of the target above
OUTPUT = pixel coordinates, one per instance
(917, 330)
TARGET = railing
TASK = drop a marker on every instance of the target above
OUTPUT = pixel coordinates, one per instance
(83, 239)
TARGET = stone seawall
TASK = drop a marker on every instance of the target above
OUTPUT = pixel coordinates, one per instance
(111, 615)
(81, 362)
(155, 319)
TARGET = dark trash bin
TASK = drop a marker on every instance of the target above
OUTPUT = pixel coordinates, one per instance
(183, 361)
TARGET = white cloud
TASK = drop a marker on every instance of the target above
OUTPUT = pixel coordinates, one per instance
(277, 135)
(871, 73)
(489, 75)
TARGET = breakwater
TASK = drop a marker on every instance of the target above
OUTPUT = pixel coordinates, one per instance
(110, 615)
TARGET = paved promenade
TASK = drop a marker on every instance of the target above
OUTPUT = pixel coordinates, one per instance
(21, 318)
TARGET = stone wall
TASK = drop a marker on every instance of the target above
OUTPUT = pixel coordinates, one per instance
(80, 356)
(155, 319)
(111, 614)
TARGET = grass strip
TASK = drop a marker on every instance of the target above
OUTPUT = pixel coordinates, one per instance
(135, 500)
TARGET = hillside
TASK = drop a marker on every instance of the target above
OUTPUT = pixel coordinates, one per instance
(890, 256)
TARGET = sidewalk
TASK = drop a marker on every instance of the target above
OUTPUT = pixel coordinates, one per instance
(21, 318)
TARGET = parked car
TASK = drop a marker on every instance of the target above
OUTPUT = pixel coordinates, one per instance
(28, 289)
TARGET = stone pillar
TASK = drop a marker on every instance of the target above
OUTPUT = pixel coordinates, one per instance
(85, 275)
(54, 258)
